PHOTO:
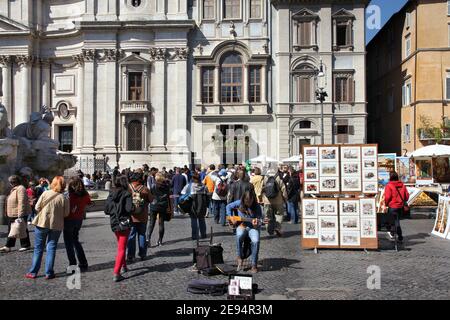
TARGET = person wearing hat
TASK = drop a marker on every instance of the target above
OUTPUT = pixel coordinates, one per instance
(219, 196)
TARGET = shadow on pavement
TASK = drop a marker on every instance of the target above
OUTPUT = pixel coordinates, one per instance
(276, 264)
(287, 234)
(175, 253)
(165, 267)
(218, 234)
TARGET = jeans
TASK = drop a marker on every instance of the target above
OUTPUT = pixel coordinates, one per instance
(198, 224)
(122, 239)
(151, 226)
(137, 231)
(241, 234)
(275, 214)
(292, 209)
(220, 211)
(40, 236)
(210, 204)
(176, 199)
(32, 215)
(11, 242)
(72, 243)
(396, 227)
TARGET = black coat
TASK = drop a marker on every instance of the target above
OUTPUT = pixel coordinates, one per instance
(119, 206)
(161, 194)
(293, 188)
(237, 189)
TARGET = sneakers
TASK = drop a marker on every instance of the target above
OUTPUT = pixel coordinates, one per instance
(278, 233)
(125, 269)
(254, 269)
(24, 249)
(5, 249)
(390, 235)
(159, 243)
(30, 276)
(118, 278)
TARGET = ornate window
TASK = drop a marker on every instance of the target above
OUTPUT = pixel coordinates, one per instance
(255, 9)
(208, 84)
(304, 83)
(231, 79)
(343, 30)
(135, 88)
(255, 84)
(134, 136)
(208, 9)
(232, 9)
(305, 29)
(344, 88)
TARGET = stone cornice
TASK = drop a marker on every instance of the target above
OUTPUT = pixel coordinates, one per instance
(158, 53)
(91, 25)
(24, 60)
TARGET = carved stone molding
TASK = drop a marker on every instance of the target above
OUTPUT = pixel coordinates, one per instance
(158, 53)
(24, 60)
(112, 54)
(89, 55)
(5, 61)
(181, 53)
(79, 59)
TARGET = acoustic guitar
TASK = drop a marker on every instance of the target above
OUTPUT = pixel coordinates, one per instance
(237, 219)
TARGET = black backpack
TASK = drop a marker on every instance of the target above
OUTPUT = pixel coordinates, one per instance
(161, 201)
(199, 204)
(271, 189)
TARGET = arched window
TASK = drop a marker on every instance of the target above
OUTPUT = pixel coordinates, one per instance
(304, 82)
(231, 78)
(135, 136)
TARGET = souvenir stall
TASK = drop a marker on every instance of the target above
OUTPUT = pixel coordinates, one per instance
(264, 163)
(338, 205)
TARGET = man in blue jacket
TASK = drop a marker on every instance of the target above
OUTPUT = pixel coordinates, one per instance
(178, 183)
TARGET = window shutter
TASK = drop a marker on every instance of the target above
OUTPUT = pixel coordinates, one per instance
(351, 90)
(349, 34)
(404, 95)
(448, 88)
(351, 130)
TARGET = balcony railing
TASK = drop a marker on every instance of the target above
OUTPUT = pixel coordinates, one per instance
(425, 135)
(135, 107)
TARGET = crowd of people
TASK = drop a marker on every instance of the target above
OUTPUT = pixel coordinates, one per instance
(143, 198)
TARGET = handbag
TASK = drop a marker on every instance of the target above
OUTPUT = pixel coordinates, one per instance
(405, 204)
(18, 229)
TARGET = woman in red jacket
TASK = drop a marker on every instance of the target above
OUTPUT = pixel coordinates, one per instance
(396, 195)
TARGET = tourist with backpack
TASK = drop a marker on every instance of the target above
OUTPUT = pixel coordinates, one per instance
(274, 198)
(210, 185)
(79, 200)
(119, 206)
(200, 200)
(139, 217)
(159, 207)
(247, 208)
(219, 197)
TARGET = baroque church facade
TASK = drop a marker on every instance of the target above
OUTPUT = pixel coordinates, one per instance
(173, 82)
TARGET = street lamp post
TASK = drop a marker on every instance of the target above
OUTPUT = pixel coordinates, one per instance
(104, 162)
(321, 95)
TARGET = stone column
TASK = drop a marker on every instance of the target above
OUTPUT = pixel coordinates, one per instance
(5, 64)
(23, 110)
(199, 84)
(80, 110)
(182, 100)
(217, 85)
(88, 103)
(46, 82)
(108, 114)
(245, 84)
(158, 100)
(263, 84)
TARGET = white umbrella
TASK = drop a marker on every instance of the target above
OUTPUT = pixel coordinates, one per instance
(264, 159)
(293, 159)
(437, 150)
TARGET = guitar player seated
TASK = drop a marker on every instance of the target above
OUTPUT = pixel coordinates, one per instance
(248, 222)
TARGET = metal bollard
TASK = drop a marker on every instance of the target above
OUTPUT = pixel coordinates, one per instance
(3, 220)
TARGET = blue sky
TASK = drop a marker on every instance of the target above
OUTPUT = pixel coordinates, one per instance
(388, 8)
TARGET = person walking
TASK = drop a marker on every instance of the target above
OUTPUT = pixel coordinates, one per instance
(208, 181)
(396, 197)
(220, 197)
(32, 199)
(52, 207)
(141, 200)
(158, 207)
(79, 200)
(257, 181)
(293, 195)
(17, 208)
(274, 198)
(118, 207)
(247, 208)
(199, 194)
(239, 187)
(178, 183)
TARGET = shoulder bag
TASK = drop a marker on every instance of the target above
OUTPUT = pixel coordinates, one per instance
(405, 203)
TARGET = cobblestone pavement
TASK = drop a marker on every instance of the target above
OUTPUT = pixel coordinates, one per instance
(421, 271)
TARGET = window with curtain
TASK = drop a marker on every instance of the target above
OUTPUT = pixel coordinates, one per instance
(231, 78)
(232, 9)
(208, 84)
(135, 89)
(135, 136)
(255, 9)
(255, 84)
(304, 81)
(208, 9)
(343, 88)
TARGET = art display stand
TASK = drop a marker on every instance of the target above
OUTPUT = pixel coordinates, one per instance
(338, 204)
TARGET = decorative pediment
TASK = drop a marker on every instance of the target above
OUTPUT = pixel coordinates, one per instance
(134, 59)
(305, 14)
(343, 14)
(8, 25)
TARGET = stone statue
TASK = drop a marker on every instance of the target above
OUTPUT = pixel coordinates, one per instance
(38, 128)
(4, 124)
